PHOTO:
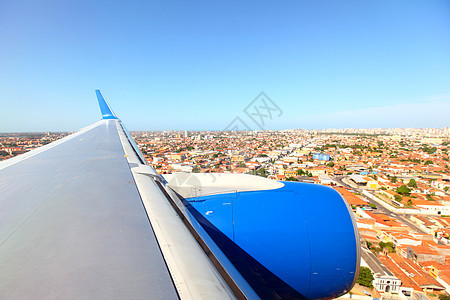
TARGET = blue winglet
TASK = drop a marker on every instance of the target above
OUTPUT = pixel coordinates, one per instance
(106, 110)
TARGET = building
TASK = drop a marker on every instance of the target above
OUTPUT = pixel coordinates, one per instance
(371, 183)
(290, 159)
(177, 156)
(239, 158)
(358, 179)
(290, 173)
(424, 253)
(322, 156)
(410, 274)
(427, 207)
(399, 238)
(317, 171)
(326, 180)
(351, 198)
(386, 283)
(305, 179)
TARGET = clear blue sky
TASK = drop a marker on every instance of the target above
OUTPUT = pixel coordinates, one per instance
(197, 64)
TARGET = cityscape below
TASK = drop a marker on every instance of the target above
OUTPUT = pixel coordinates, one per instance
(396, 182)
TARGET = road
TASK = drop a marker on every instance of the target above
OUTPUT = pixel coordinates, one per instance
(402, 218)
(411, 224)
(339, 180)
(374, 264)
(380, 209)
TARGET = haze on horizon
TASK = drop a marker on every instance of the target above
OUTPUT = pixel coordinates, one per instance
(196, 66)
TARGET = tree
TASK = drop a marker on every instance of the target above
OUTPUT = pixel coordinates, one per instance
(403, 190)
(388, 245)
(428, 162)
(357, 153)
(446, 189)
(261, 172)
(330, 164)
(444, 297)
(365, 277)
(375, 250)
(428, 150)
(412, 183)
(373, 205)
(393, 179)
(291, 179)
(398, 198)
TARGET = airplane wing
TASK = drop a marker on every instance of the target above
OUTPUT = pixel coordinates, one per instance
(86, 217)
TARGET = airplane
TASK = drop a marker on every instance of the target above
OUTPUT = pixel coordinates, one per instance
(87, 217)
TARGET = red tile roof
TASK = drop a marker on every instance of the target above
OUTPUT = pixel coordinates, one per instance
(409, 273)
(351, 198)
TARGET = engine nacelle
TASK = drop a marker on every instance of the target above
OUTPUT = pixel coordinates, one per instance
(287, 239)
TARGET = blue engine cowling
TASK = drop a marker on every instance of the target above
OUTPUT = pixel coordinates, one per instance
(297, 241)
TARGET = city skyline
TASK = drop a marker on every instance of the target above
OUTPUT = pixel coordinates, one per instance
(198, 66)
(407, 131)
